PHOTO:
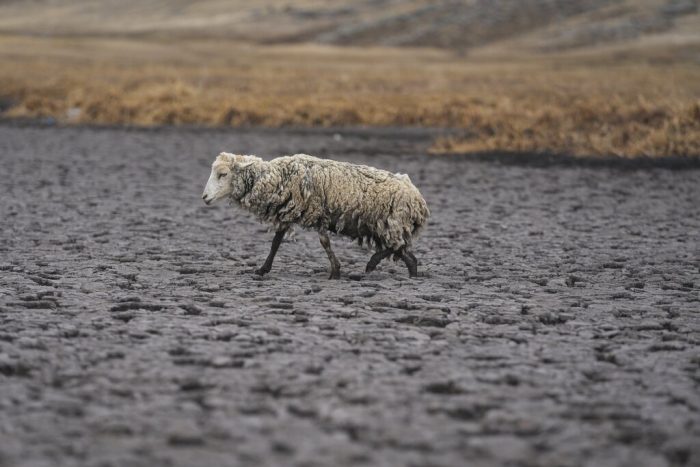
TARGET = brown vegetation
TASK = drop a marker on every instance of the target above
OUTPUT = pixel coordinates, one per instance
(586, 126)
(637, 103)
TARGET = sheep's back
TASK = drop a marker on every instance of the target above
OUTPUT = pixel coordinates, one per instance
(358, 201)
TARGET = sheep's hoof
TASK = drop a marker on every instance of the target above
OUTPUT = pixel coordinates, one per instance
(335, 274)
(262, 271)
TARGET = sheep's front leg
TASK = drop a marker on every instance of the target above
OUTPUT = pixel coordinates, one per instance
(267, 266)
(335, 264)
(376, 259)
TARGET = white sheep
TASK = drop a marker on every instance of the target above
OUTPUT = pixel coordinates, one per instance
(386, 210)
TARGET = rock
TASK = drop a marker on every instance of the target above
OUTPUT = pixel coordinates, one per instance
(183, 434)
(192, 309)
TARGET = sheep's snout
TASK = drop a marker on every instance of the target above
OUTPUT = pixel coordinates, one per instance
(217, 187)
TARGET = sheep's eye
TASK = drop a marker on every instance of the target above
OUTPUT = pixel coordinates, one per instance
(222, 175)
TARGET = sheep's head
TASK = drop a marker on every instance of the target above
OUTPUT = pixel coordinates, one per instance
(222, 180)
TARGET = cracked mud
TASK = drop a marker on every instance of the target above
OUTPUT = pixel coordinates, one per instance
(555, 322)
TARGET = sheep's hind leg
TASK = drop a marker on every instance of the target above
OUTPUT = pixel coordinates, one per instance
(335, 264)
(413, 257)
(411, 263)
(376, 259)
(267, 266)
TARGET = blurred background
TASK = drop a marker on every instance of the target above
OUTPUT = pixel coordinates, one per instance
(580, 77)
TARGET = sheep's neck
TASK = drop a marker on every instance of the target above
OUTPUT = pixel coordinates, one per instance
(250, 177)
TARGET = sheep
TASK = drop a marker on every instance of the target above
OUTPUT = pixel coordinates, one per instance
(364, 203)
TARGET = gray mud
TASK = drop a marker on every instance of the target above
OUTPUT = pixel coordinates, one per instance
(556, 320)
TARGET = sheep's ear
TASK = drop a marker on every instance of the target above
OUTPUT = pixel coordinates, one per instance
(245, 161)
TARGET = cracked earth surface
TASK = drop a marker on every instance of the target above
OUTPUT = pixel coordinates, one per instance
(556, 320)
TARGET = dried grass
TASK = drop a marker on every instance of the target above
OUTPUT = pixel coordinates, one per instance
(586, 127)
(580, 106)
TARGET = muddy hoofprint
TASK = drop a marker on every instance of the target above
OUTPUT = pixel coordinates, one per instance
(381, 208)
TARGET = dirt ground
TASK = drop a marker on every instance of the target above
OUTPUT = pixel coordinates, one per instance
(556, 320)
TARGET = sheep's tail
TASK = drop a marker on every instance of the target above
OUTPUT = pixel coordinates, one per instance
(417, 215)
(422, 213)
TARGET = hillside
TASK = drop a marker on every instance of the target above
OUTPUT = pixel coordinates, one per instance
(535, 25)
